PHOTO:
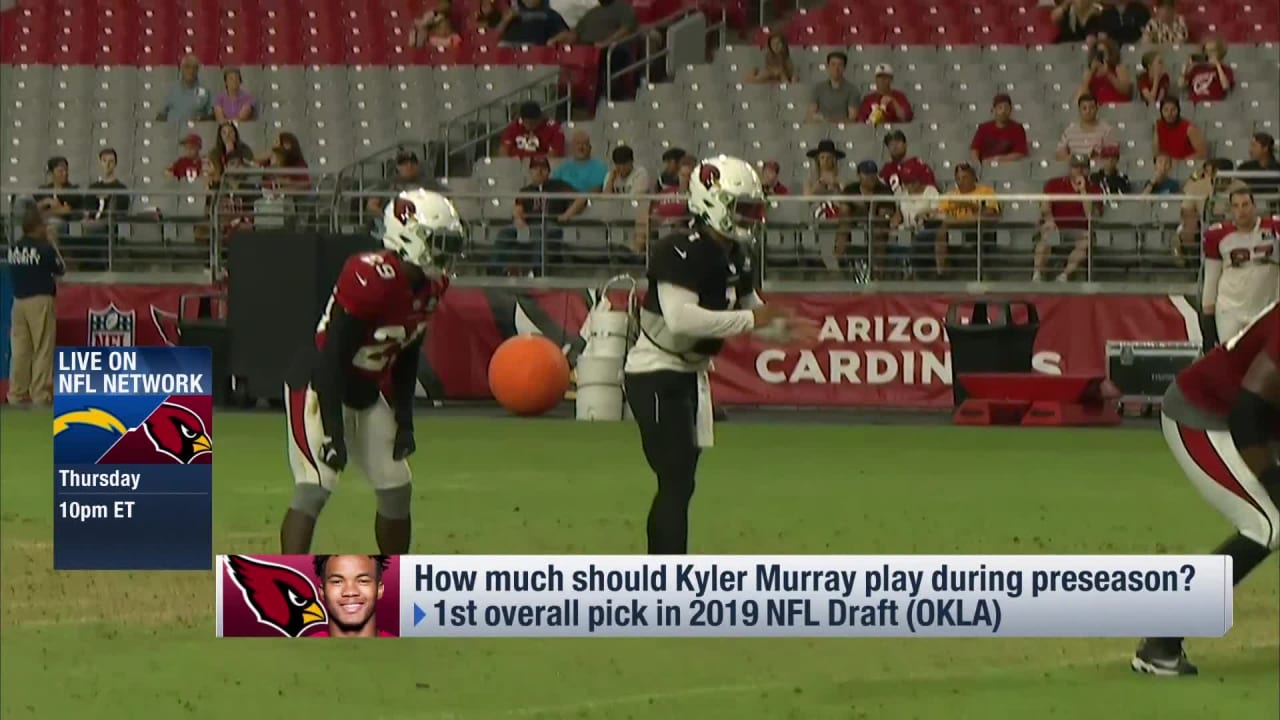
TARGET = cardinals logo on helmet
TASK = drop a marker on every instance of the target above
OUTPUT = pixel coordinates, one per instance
(709, 175)
(280, 597)
(177, 432)
(404, 210)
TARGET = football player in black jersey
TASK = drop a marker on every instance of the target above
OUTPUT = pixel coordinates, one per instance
(702, 290)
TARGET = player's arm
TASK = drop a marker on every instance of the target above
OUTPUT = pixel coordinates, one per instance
(343, 335)
(404, 385)
(1255, 416)
(676, 266)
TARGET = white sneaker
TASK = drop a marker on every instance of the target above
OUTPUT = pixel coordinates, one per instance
(1062, 277)
(1035, 277)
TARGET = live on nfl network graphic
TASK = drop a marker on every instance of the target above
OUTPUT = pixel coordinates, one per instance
(133, 457)
(723, 596)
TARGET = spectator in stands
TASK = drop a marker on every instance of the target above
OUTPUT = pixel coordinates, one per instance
(55, 202)
(1166, 27)
(769, 179)
(1262, 158)
(235, 201)
(963, 211)
(1122, 21)
(188, 101)
(536, 220)
(834, 100)
(1002, 138)
(873, 214)
(1177, 136)
(1077, 20)
(1067, 220)
(884, 104)
(229, 145)
(674, 210)
(287, 154)
(669, 176)
(918, 208)
(409, 175)
(625, 177)
(1199, 188)
(1162, 181)
(101, 210)
(234, 103)
(896, 141)
(606, 23)
(423, 24)
(532, 22)
(1206, 78)
(1153, 82)
(532, 134)
(777, 63)
(189, 166)
(1106, 78)
(1109, 178)
(488, 16)
(442, 36)
(1088, 134)
(824, 176)
(585, 173)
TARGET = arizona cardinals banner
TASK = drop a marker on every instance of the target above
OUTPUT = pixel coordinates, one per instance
(133, 459)
(308, 596)
(888, 350)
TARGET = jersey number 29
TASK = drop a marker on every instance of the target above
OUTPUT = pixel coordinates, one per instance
(370, 358)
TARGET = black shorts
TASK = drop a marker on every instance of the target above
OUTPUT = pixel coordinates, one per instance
(665, 405)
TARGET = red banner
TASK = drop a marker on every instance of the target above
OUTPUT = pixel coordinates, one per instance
(876, 350)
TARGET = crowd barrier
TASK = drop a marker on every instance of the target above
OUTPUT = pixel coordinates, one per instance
(1135, 238)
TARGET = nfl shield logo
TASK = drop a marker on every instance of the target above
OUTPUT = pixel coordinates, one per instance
(111, 327)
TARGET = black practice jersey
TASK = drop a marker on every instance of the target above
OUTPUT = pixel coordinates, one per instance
(721, 274)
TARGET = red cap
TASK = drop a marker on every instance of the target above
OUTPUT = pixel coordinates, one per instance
(1110, 151)
(193, 139)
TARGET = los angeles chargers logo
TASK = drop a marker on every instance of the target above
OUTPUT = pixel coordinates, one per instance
(93, 417)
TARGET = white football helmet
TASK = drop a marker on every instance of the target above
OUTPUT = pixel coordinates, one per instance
(725, 193)
(424, 229)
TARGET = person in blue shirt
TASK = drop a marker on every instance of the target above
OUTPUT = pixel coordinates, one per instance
(583, 172)
(532, 22)
(34, 264)
(1162, 181)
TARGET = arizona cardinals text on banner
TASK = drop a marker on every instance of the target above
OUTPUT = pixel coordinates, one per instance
(133, 458)
(815, 596)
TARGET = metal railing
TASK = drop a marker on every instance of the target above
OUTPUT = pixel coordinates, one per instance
(847, 242)
(481, 126)
(650, 55)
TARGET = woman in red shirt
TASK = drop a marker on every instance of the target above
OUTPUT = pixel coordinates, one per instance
(1106, 78)
(1176, 136)
(1153, 83)
(1206, 78)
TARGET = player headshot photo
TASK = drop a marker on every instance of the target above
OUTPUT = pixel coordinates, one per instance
(350, 588)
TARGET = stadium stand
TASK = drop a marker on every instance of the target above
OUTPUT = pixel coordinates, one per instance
(344, 78)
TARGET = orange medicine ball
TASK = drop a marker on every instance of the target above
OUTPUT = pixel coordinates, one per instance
(528, 375)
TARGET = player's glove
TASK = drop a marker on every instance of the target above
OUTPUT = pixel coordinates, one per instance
(1209, 331)
(333, 452)
(404, 444)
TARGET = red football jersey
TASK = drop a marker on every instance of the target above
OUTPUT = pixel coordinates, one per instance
(373, 287)
(1212, 382)
(889, 173)
(325, 634)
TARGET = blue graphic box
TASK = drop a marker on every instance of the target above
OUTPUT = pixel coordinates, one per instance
(133, 458)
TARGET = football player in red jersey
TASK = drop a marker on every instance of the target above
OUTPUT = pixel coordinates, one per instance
(353, 388)
(1221, 418)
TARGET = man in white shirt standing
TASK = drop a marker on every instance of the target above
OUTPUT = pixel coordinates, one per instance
(1241, 269)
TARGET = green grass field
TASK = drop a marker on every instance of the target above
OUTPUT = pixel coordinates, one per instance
(121, 646)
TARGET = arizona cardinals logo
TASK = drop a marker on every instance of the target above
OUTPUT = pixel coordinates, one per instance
(708, 175)
(279, 596)
(404, 210)
(167, 325)
(177, 432)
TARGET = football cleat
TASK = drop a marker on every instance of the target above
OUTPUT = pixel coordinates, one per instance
(1161, 657)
